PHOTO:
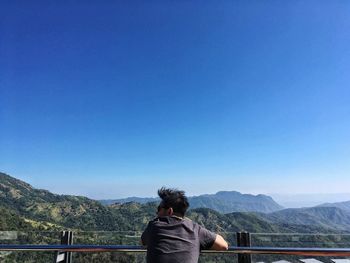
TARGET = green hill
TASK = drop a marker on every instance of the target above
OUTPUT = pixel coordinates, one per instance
(67, 211)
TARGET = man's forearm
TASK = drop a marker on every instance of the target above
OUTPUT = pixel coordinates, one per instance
(219, 243)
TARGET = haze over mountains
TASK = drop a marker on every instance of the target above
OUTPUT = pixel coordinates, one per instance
(308, 199)
(341, 205)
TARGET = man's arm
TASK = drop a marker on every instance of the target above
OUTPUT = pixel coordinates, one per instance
(219, 243)
(143, 244)
(142, 240)
(144, 236)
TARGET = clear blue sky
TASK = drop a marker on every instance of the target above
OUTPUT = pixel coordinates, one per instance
(116, 98)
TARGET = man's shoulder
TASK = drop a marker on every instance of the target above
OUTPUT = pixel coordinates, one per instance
(189, 221)
(169, 220)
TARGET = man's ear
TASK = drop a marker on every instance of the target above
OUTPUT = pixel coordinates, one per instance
(170, 211)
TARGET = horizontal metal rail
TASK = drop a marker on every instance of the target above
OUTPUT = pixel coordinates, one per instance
(334, 252)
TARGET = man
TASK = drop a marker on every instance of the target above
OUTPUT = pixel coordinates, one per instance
(172, 238)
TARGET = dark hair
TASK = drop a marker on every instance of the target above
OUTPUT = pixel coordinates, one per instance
(175, 199)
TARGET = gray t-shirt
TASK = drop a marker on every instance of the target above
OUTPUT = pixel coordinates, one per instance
(174, 240)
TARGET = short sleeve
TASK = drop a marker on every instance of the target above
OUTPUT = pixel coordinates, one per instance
(206, 238)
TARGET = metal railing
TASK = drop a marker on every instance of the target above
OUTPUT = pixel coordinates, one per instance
(336, 252)
(243, 250)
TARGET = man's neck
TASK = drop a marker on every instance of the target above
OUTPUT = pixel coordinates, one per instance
(177, 216)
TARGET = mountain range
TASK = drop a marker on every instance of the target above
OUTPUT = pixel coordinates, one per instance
(23, 206)
(223, 202)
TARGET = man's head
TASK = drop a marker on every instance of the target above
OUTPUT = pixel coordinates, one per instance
(173, 202)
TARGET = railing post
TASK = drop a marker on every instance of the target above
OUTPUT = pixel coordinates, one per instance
(66, 239)
(243, 240)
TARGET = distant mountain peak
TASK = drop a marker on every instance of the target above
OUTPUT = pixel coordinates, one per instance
(222, 201)
(234, 201)
(227, 193)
